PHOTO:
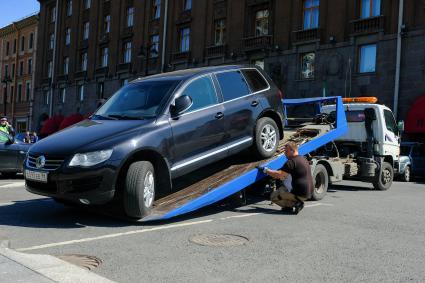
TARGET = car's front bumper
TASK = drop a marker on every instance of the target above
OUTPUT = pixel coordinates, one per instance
(80, 185)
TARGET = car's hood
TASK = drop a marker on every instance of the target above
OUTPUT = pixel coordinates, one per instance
(87, 132)
(404, 158)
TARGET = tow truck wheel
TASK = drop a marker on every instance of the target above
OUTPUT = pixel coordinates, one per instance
(385, 179)
(320, 181)
(266, 138)
(139, 193)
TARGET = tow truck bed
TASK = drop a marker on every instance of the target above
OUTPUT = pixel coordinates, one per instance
(233, 176)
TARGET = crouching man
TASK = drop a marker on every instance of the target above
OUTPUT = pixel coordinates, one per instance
(302, 182)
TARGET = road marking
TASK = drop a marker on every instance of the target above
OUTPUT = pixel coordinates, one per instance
(166, 227)
(13, 185)
(26, 201)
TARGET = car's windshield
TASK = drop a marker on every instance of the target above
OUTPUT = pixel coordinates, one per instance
(138, 101)
(405, 150)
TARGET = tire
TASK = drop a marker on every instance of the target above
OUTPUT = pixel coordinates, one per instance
(8, 175)
(267, 138)
(406, 176)
(139, 192)
(320, 182)
(385, 178)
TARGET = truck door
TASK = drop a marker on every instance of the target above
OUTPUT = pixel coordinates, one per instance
(391, 135)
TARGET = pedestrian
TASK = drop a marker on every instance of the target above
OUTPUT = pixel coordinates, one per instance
(6, 127)
(34, 137)
(299, 169)
(27, 138)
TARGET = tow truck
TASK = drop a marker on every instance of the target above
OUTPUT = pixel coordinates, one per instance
(238, 174)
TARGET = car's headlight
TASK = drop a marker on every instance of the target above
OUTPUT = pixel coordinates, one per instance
(90, 158)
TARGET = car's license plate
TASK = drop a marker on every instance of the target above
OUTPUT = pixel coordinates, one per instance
(36, 176)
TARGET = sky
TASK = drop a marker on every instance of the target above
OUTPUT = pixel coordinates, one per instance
(12, 10)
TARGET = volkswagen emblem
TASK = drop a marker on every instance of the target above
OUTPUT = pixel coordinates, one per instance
(40, 162)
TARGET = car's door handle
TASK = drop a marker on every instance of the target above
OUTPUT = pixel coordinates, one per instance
(219, 115)
(254, 103)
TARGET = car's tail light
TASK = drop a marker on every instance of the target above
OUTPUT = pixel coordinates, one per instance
(280, 93)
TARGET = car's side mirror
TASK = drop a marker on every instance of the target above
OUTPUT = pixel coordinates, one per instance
(400, 126)
(181, 105)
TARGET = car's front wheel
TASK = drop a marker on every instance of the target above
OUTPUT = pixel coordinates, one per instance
(266, 138)
(139, 193)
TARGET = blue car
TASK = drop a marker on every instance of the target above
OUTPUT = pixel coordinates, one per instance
(412, 160)
(12, 155)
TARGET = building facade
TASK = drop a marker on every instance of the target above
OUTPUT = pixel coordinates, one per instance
(18, 45)
(89, 48)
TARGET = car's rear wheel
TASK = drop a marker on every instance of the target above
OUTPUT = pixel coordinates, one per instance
(266, 138)
(139, 193)
(405, 177)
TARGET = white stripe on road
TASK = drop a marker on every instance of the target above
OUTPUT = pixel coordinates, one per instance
(13, 185)
(166, 227)
(26, 201)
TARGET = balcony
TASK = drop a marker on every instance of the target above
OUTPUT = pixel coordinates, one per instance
(102, 71)
(104, 38)
(216, 51)
(369, 25)
(80, 75)
(62, 78)
(307, 35)
(127, 32)
(185, 17)
(124, 68)
(257, 42)
(181, 56)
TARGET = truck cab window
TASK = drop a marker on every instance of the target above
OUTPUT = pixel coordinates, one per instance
(390, 122)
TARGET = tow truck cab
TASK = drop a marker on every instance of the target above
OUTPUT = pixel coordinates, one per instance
(371, 147)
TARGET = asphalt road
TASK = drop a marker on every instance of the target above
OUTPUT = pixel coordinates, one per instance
(354, 235)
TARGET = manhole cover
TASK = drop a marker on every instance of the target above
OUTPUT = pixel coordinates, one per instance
(219, 240)
(84, 261)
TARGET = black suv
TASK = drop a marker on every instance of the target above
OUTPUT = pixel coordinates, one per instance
(156, 129)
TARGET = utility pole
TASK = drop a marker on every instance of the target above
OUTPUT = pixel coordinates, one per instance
(398, 58)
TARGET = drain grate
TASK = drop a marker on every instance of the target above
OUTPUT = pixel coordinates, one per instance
(84, 261)
(219, 240)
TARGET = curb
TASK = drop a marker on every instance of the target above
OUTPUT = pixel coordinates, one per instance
(50, 267)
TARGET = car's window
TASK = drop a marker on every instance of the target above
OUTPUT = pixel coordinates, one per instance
(233, 85)
(138, 100)
(255, 80)
(419, 150)
(3, 138)
(390, 122)
(202, 93)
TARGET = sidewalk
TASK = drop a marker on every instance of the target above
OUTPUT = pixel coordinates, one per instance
(21, 267)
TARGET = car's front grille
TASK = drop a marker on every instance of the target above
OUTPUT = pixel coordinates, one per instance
(50, 162)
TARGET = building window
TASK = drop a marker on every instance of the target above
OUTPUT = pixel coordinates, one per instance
(156, 9)
(184, 39)
(87, 4)
(52, 41)
(370, 8)
(107, 24)
(50, 69)
(307, 65)
(69, 8)
(66, 65)
(367, 60)
(187, 5)
(68, 36)
(220, 32)
(100, 90)
(14, 46)
(7, 48)
(6, 70)
(105, 57)
(84, 62)
(23, 44)
(311, 14)
(262, 23)
(46, 97)
(86, 31)
(13, 70)
(81, 92)
(31, 41)
(21, 68)
(127, 52)
(154, 45)
(62, 95)
(28, 91)
(124, 82)
(53, 15)
(19, 96)
(29, 66)
(130, 16)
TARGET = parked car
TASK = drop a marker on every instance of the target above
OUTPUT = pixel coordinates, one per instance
(12, 155)
(412, 160)
(156, 129)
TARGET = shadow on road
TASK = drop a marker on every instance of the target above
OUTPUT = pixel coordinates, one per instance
(336, 188)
